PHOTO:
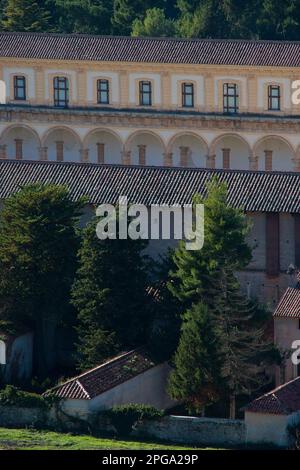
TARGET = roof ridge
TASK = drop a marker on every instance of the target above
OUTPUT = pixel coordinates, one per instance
(160, 168)
(148, 38)
(75, 379)
(272, 392)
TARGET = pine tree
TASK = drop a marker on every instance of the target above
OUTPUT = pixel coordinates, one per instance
(25, 15)
(109, 295)
(197, 272)
(195, 378)
(239, 325)
(206, 278)
(126, 11)
(84, 16)
(154, 24)
(38, 245)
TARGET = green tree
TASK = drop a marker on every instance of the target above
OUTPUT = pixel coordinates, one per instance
(195, 378)
(165, 329)
(84, 16)
(279, 20)
(109, 295)
(235, 324)
(240, 331)
(38, 245)
(154, 24)
(197, 272)
(25, 15)
(126, 11)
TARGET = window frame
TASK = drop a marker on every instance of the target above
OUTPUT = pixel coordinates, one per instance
(185, 94)
(271, 88)
(18, 87)
(143, 93)
(227, 107)
(58, 102)
(100, 82)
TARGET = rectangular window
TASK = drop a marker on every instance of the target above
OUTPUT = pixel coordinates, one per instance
(230, 98)
(19, 88)
(188, 95)
(61, 91)
(145, 94)
(103, 91)
(274, 98)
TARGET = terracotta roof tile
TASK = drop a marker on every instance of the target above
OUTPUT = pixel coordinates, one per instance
(253, 191)
(289, 305)
(282, 400)
(105, 376)
(152, 50)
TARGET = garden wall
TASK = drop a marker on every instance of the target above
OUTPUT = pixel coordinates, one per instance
(179, 429)
(189, 430)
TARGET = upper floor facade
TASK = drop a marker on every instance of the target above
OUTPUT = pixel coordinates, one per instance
(204, 76)
(202, 103)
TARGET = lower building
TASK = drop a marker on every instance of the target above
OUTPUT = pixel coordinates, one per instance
(132, 377)
(268, 417)
(270, 200)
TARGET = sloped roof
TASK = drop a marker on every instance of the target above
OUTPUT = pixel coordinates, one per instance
(289, 305)
(282, 400)
(105, 376)
(253, 191)
(152, 50)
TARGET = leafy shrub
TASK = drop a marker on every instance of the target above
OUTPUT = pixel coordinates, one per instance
(125, 417)
(294, 436)
(13, 396)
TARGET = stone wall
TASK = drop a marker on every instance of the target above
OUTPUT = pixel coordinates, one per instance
(197, 431)
(179, 429)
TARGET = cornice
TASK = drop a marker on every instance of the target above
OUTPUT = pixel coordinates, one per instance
(154, 119)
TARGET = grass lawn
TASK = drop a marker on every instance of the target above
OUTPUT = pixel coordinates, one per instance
(29, 439)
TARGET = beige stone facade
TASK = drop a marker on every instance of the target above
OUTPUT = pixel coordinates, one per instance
(166, 132)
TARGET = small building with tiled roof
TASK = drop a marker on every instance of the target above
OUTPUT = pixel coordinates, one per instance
(268, 417)
(287, 330)
(131, 377)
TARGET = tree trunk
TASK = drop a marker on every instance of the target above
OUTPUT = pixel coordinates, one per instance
(232, 407)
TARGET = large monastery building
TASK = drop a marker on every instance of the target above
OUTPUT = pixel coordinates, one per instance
(204, 105)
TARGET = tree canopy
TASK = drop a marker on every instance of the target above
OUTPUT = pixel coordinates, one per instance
(245, 19)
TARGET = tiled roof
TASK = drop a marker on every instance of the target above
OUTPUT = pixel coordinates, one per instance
(289, 305)
(252, 191)
(280, 401)
(159, 50)
(104, 377)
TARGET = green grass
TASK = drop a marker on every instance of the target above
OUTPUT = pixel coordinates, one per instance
(29, 439)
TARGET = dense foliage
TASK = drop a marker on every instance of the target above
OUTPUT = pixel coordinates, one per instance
(255, 19)
(222, 351)
(13, 396)
(38, 245)
(109, 295)
(125, 417)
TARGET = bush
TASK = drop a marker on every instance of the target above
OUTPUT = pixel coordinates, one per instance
(125, 417)
(13, 396)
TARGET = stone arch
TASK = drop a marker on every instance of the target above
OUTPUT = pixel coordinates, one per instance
(188, 149)
(145, 147)
(62, 143)
(21, 141)
(103, 146)
(231, 151)
(281, 155)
